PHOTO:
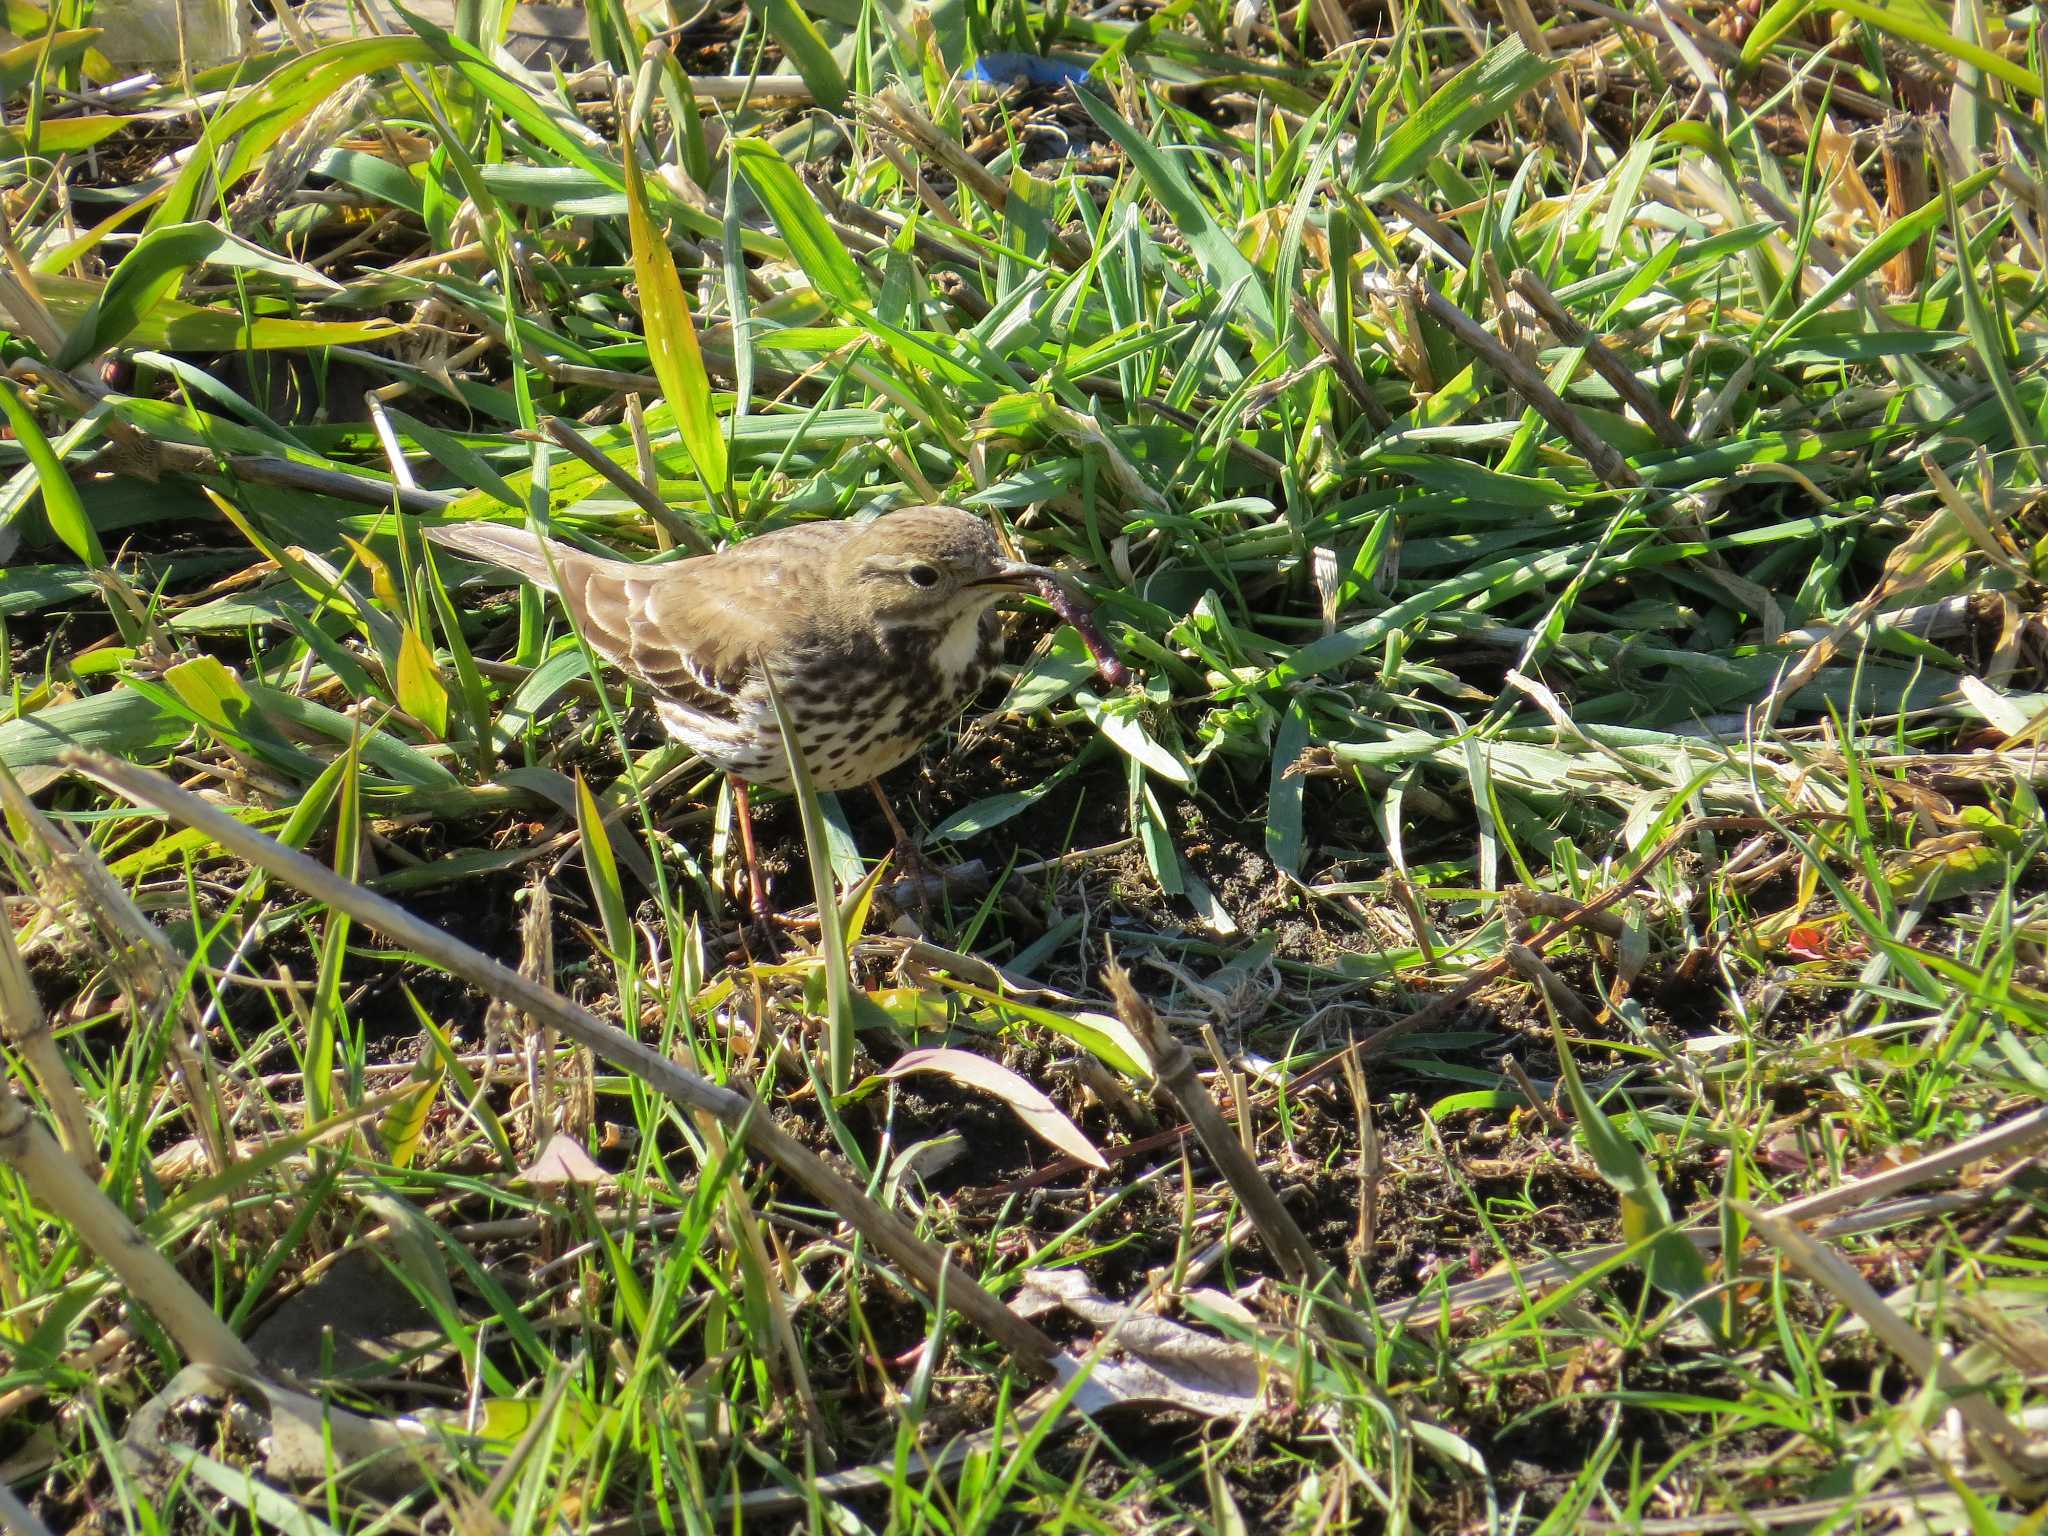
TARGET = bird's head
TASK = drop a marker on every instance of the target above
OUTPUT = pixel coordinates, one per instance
(931, 566)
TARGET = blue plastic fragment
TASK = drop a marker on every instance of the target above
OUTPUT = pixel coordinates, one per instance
(1026, 69)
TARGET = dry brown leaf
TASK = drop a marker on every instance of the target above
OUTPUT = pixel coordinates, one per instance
(1147, 1358)
(1040, 1115)
(562, 1160)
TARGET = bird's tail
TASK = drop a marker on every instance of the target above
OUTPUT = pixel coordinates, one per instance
(602, 596)
(513, 548)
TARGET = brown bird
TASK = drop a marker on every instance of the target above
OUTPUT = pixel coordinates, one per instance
(875, 633)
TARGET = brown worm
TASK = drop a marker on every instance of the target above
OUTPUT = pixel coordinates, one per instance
(1073, 609)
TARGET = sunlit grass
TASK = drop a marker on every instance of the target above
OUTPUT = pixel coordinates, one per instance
(1568, 489)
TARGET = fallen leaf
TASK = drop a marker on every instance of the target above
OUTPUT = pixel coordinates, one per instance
(2009, 715)
(357, 1319)
(1785, 1154)
(563, 1161)
(301, 1438)
(1807, 942)
(1145, 1358)
(1040, 1115)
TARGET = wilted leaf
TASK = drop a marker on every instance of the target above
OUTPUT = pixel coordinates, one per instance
(1040, 1115)
(303, 1439)
(503, 1422)
(173, 325)
(562, 1161)
(421, 692)
(911, 1008)
(1947, 866)
(64, 135)
(406, 1121)
(672, 333)
(2011, 716)
(1149, 1359)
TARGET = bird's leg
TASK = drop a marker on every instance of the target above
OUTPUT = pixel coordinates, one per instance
(911, 865)
(758, 904)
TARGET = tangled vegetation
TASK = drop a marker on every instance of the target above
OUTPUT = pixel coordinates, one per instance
(1525, 1012)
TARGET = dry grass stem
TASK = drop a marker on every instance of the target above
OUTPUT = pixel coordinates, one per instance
(887, 1231)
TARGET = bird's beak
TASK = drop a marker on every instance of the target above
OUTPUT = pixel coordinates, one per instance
(1015, 574)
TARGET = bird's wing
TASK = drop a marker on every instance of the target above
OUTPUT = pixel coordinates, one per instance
(607, 599)
(708, 620)
(689, 629)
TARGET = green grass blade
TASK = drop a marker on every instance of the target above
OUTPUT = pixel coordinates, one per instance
(1459, 108)
(1225, 264)
(1673, 1264)
(839, 1011)
(1941, 42)
(602, 868)
(1901, 234)
(1285, 833)
(151, 272)
(242, 132)
(813, 244)
(805, 48)
(61, 503)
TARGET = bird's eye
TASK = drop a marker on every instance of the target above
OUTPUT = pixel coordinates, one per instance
(922, 576)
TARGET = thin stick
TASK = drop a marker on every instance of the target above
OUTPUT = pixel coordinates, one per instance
(1530, 967)
(642, 496)
(156, 969)
(1444, 1004)
(147, 459)
(1609, 925)
(1565, 326)
(758, 903)
(923, 1265)
(1368, 1170)
(1998, 1141)
(1550, 1117)
(1600, 455)
(25, 1029)
(1348, 373)
(1173, 1068)
(895, 113)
